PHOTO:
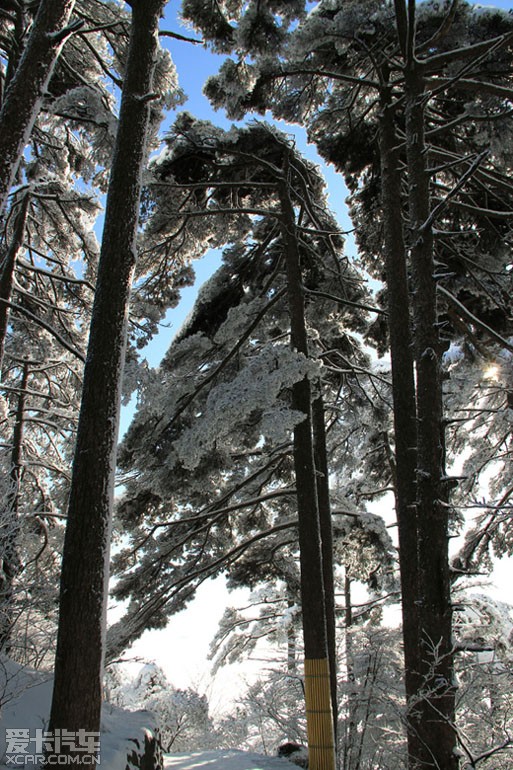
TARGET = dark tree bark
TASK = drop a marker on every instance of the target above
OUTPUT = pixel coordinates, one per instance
(317, 673)
(326, 529)
(7, 268)
(436, 708)
(80, 644)
(10, 523)
(403, 393)
(415, 350)
(24, 93)
(351, 732)
(421, 513)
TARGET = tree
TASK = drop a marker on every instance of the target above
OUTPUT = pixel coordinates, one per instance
(483, 634)
(234, 166)
(49, 255)
(331, 75)
(183, 717)
(76, 699)
(41, 382)
(22, 99)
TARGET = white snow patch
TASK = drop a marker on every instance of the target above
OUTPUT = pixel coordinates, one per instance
(25, 697)
(225, 759)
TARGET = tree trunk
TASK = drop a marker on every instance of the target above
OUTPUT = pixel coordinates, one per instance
(291, 640)
(403, 393)
(351, 732)
(436, 708)
(24, 93)
(421, 514)
(328, 570)
(22, 17)
(319, 715)
(7, 269)
(80, 644)
(10, 523)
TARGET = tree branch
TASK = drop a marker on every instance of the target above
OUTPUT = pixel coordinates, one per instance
(19, 309)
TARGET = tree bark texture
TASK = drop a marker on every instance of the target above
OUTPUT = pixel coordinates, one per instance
(436, 706)
(80, 645)
(22, 99)
(326, 529)
(404, 399)
(7, 268)
(417, 395)
(319, 715)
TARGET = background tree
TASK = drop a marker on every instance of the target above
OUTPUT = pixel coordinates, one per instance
(22, 98)
(238, 171)
(183, 715)
(48, 271)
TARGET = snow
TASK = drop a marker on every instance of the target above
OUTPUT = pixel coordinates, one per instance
(25, 697)
(225, 759)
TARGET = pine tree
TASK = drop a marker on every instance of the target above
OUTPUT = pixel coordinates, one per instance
(337, 73)
(77, 696)
(250, 173)
(22, 98)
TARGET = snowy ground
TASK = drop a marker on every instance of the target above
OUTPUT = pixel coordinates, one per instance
(25, 697)
(25, 704)
(227, 759)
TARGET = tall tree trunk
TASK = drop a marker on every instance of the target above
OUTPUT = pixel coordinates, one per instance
(8, 265)
(319, 715)
(22, 99)
(80, 644)
(436, 709)
(328, 570)
(10, 523)
(421, 513)
(403, 393)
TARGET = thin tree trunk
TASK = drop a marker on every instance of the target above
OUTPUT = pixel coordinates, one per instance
(328, 570)
(291, 640)
(23, 95)
(7, 269)
(292, 672)
(436, 709)
(10, 523)
(319, 715)
(352, 701)
(80, 644)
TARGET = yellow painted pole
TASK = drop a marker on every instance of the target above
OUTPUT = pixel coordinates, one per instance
(319, 716)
